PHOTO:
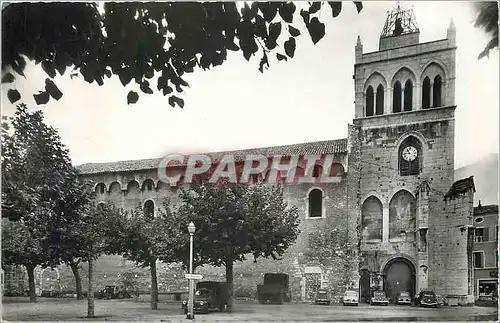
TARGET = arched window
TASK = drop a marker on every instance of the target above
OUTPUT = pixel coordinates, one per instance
(369, 101)
(379, 106)
(402, 215)
(410, 157)
(408, 96)
(149, 210)
(100, 188)
(317, 170)
(371, 219)
(147, 185)
(396, 98)
(315, 203)
(426, 93)
(436, 91)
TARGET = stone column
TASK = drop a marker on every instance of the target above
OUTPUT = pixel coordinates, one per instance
(402, 97)
(417, 97)
(385, 224)
(387, 100)
(431, 95)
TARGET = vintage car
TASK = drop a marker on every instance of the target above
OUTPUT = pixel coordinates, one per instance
(113, 292)
(379, 298)
(427, 298)
(322, 297)
(350, 298)
(403, 298)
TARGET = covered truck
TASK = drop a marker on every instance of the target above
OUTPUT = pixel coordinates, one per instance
(275, 289)
(209, 295)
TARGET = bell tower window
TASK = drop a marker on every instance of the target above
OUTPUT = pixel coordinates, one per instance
(410, 157)
(437, 91)
(369, 101)
(408, 95)
(426, 93)
(379, 105)
(396, 99)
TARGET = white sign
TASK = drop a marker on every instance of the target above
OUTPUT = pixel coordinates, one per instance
(193, 276)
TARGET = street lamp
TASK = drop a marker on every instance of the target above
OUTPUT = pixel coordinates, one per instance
(191, 229)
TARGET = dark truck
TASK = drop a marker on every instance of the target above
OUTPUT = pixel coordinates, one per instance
(275, 289)
(209, 295)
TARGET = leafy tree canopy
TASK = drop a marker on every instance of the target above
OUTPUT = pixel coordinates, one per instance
(136, 40)
(234, 220)
(487, 19)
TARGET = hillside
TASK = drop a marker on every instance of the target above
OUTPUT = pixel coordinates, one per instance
(485, 172)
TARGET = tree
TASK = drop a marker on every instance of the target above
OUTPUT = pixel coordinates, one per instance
(136, 41)
(21, 247)
(41, 188)
(329, 247)
(487, 19)
(233, 221)
(98, 226)
(141, 238)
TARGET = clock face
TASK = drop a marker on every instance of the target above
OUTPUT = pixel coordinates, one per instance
(410, 153)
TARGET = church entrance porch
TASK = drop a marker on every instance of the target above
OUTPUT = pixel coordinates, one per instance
(399, 276)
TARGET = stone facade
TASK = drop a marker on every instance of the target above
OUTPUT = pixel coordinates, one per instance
(396, 199)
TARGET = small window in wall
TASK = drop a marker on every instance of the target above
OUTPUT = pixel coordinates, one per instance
(422, 242)
(496, 233)
(396, 98)
(317, 170)
(101, 188)
(149, 210)
(379, 104)
(481, 235)
(436, 91)
(315, 203)
(478, 259)
(369, 101)
(478, 220)
(426, 93)
(408, 96)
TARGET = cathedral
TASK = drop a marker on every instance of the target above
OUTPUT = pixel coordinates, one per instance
(409, 222)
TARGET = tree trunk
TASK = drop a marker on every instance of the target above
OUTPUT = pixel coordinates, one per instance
(229, 281)
(31, 283)
(78, 279)
(154, 285)
(90, 296)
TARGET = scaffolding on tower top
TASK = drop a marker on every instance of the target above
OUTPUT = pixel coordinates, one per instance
(399, 22)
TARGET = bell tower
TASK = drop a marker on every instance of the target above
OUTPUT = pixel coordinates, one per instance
(404, 110)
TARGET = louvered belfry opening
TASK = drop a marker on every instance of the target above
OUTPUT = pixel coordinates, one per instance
(414, 167)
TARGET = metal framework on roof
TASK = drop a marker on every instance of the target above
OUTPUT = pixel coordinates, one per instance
(399, 22)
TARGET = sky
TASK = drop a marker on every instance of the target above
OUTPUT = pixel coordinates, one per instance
(234, 106)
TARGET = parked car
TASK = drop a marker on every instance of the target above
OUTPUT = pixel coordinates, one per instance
(208, 296)
(427, 298)
(113, 292)
(379, 298)
(403, 298)
(322, 297)
(350, 298)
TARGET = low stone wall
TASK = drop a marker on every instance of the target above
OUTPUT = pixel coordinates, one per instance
(162, 297)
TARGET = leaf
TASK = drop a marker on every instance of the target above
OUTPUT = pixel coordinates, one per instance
(107, 73)
(281, 57)
(52, 89)
(167, 90)
(173, 100)
(359, 6)
(286, 11)
(48, 69)
(18, 65)
(145, 87)
(290, 47)
(263, 61)
(8, 78)
(269, 10)
(305, 16)
(336, 7)
(293, 31)
(41, 98)
(125, 77)
(315, 6)
(13, 95)
(316, 30)
(132, 97)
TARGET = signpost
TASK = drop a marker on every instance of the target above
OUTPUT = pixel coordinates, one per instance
(193, 276)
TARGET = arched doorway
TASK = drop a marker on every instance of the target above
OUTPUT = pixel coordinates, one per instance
(399, 275)
(364, 285)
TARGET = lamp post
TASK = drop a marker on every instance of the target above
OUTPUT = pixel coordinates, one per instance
(191, 229)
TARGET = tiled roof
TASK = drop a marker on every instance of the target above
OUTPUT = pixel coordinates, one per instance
(486, 209)
(461, 186)
(308, 148)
